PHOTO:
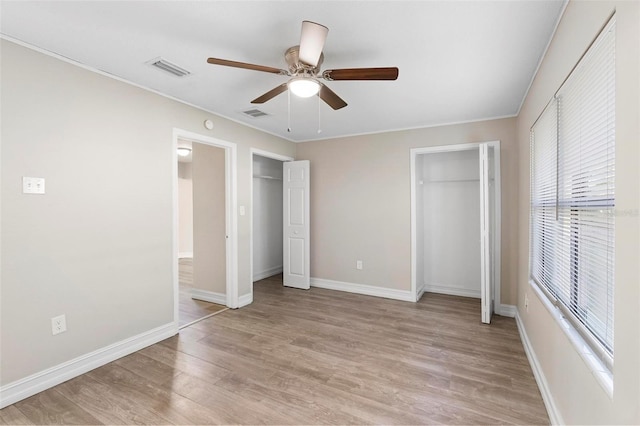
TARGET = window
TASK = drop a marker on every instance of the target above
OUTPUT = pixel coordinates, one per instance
(573, 196)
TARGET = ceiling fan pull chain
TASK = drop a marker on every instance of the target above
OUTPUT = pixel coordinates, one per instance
(289, 111)
(319, 127)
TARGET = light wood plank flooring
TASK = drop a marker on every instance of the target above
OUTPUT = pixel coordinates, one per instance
(191, 309)
(311, 357)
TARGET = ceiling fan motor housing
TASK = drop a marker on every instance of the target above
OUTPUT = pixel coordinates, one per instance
(296, 67)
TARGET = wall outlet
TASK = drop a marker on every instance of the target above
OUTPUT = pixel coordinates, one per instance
(526, 302)
(32, 185)
(58, 324)
(359, 265)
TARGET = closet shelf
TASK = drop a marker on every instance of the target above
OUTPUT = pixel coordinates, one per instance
(267, 177)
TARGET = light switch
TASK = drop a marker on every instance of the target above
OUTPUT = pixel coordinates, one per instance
(32, 185)
(242, 211)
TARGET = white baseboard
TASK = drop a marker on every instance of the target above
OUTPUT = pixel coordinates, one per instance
(554, 415)
(185, 254)
(453, 291)
(506, 310)
(245, 299)
(31, 385)
(368, 290)
(257, 276)
(420, 293)
(209, 296)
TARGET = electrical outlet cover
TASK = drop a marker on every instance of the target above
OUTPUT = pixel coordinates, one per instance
(32, 185)
(58, 324)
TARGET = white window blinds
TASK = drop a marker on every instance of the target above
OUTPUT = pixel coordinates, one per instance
(573, 195)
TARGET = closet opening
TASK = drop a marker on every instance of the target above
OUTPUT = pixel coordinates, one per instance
(267, 212)
(456, 222)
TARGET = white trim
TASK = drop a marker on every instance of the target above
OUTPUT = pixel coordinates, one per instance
(448, 148)
(31, 385)
(368, 290)
(267, 273)
(552, 410)
(274, 156)
(544, 53)
(414, 228)
(594, 363)
(175, 268)
(403, 129)
(209, 296)
(420, 292)
(231, 221)
(245, 299)
(506, 310)
(185, 255)
(485, 244)
(269, 154)
(453, 291)
(413, 153)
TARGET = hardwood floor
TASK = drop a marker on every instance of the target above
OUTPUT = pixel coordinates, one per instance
(311, 357)
(190, 309)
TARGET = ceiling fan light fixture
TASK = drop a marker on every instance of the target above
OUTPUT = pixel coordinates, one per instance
(304, 87)
(184, 151)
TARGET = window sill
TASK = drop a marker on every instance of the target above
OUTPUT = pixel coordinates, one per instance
(599, 370)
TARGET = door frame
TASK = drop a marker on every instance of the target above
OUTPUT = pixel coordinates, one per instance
(414, 152)
(273, 156)
(231, 223)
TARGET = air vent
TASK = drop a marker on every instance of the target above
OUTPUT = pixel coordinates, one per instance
(167, 66)
(254, 113)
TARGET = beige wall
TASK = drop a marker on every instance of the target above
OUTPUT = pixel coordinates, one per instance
(361, 202)
(209, 238)
(98, 246)
(185, 208)
(577, 395)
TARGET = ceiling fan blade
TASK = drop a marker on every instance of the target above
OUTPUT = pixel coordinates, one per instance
(329, 96)
(312, 40)
(389, 73)
(270, 94)
(235, 64)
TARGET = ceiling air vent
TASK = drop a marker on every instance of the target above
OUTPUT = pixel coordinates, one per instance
(254, 113)
(167, 66)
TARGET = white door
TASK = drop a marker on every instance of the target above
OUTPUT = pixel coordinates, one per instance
(486, 246)
(295, 194)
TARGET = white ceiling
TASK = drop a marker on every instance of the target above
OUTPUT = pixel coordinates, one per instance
(458, 61)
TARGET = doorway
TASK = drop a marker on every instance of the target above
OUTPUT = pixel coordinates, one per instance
(266, 216)
(455, 222)
(201, 231)
(205, 230)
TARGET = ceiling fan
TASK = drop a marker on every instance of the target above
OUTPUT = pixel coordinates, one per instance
(304, 63)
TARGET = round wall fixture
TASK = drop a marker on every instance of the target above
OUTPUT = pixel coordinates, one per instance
(208, 124)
